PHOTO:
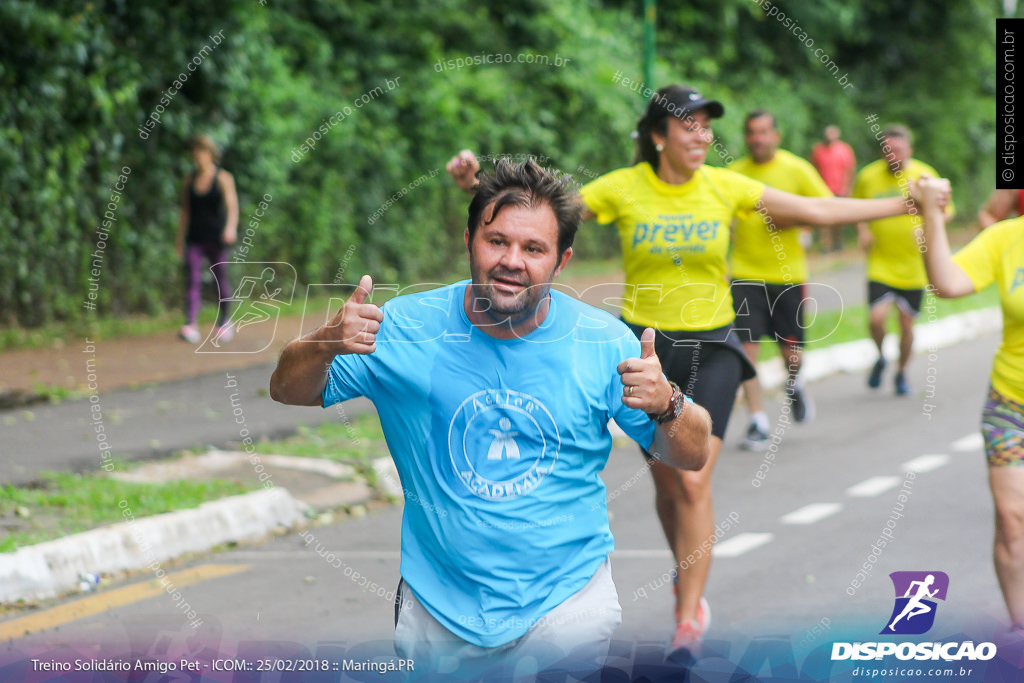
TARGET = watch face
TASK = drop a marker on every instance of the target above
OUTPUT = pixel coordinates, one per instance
(677, 404)
(675, 407)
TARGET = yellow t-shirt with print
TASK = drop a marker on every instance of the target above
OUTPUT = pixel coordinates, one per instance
(675, 240)
(894, 258)
(997, 255)
(762, 251)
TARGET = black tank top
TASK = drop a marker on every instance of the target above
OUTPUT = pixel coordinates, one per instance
(207, 213)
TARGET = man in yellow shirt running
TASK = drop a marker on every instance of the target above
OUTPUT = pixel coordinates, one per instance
(894, 246)
(769, 269)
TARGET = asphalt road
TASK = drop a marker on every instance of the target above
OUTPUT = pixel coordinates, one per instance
(150, 422)
(782, 571)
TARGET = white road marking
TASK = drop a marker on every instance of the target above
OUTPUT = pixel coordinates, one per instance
(809, 514)
(926, 463)
(873, 486)
(740, 544)
(971, 442)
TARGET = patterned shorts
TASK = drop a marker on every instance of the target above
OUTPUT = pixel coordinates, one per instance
(1002, 425)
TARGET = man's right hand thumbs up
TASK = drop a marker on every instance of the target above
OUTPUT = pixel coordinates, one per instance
(357, 323)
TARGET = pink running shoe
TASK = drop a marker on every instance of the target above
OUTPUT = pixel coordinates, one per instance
(190, 333)
(225, 333)
(689, 634)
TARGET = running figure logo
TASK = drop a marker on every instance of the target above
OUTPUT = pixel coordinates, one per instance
(916, 592)
(263, 289)
(504, 441)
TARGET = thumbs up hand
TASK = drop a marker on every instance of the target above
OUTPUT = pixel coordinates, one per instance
(356, 325)
(643, 384)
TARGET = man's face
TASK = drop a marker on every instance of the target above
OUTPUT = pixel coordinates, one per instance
(762, 139)
(901, 152)
(513, 261)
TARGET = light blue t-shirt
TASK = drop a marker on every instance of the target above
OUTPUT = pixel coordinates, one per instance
(498, 444)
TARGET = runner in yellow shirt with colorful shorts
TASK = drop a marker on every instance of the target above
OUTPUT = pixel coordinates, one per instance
(996, 255)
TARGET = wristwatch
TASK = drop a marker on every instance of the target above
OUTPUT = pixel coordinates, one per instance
(675, 406)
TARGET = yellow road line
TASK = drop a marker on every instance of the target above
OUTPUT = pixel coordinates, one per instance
(107, 600)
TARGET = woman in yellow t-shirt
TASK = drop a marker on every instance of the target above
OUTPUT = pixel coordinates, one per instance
(994, 255)
(673, 215)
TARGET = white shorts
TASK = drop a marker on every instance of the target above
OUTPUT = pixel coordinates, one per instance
(574, 637)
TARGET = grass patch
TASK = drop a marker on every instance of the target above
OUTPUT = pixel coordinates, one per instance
(356, 441)
(68, 503)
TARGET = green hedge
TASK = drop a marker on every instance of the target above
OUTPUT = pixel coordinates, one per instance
(79, 80)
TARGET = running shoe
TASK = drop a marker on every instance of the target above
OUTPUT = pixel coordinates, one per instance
(190, 333)
(875, 378)
(800, 403)
(225, 333)
(755, 440)
(902, 386)
(689, 634)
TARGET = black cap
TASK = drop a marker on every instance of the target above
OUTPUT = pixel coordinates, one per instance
(679, 101)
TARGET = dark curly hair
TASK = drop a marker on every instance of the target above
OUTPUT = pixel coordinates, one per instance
(527, 185)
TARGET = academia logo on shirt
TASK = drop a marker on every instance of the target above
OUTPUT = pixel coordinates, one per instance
(914, 610)
(502, 443)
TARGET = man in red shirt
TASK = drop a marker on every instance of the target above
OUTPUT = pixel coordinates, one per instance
(999, 206)
(836, 163)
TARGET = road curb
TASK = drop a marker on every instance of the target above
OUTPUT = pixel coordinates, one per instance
(48, 569)
(860, 355)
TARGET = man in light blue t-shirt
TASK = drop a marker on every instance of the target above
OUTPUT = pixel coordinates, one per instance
(494, 395)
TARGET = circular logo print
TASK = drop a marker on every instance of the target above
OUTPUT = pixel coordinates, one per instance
(502, 443)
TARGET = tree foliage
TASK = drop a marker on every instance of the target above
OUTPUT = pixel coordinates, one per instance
(79, 80)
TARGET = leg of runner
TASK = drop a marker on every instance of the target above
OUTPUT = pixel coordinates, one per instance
(876, 322)
(687, 516)
(753, 322)
(193, 290)
(803, 408)
(788, 330)
(219, 255)
(1007, 483)
(794, 357)
(756, 438)
(876, 325)
(712, 373)
(906, 349)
